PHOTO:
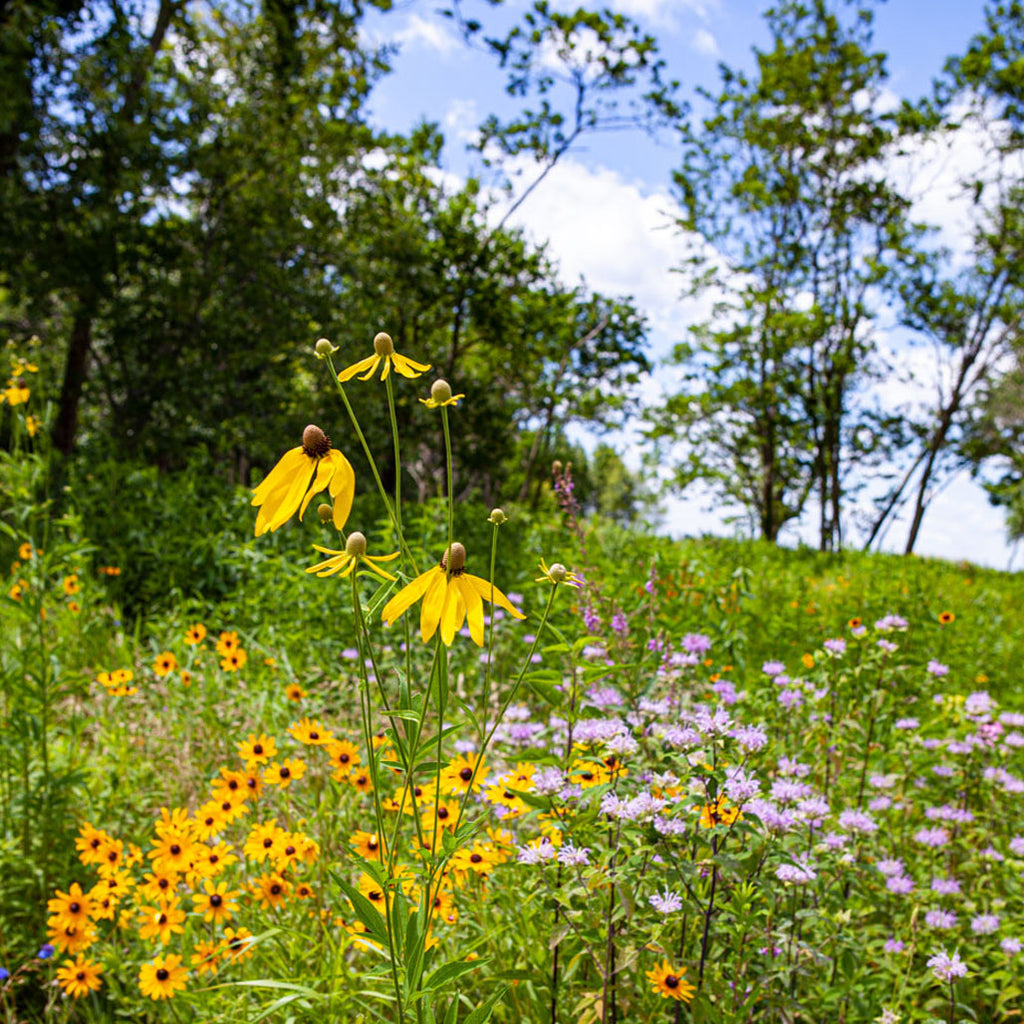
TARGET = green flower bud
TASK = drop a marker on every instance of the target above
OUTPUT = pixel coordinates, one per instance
(324, 512)
(324, 348)
(355, 545)
(497, 516)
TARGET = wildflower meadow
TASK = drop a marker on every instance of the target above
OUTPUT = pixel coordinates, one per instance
(447, 763)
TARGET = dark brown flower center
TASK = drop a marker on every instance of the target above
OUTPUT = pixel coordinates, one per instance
(74, 907)
(315, 443)
(671, 981)
(258, 749)
(314, 735)
(442, 813)
(475, 858)
(175, 849)
(466, 774)
(275, 889)
(162, 974)
(289, 851)
(80, 976)
(285, 773)
(216, 899)
(268, 843)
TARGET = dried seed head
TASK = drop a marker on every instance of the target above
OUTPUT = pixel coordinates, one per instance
(324, 512)
(355, 545)
(497, 516)
(440, 390)
(324, 348)
(315, 443)
(383, 345)
(454, 559)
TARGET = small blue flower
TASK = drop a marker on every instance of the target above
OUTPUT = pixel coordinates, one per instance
(4, 974)
(45, 951)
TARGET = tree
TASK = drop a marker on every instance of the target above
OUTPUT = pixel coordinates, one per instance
(797, 233)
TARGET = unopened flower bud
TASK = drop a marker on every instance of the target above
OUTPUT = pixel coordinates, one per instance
(355, 545)
(497, 516)
(383, 345)
(440, 390)
(556, 467)
(324, 512)
(558, 572)
(324, 348)
(454, 558)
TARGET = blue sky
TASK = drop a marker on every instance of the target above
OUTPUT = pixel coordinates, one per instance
(606, 213)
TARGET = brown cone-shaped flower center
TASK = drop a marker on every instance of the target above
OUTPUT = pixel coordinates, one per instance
(442, 813)
(315, 443)
(454, 560)
(216, 899)
(285, 773)
(74, 908)
(466, 774)
(80, 976)
(671, 981)
(356, 544)
(475, 858)
(162, 974)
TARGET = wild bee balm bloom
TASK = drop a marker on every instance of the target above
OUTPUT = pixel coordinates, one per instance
(451, 596)
(384, 352)
(301, 473)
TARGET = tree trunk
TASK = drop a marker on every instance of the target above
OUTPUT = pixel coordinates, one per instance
(65, 427)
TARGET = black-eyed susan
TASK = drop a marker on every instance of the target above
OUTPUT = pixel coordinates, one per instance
(25, 551)
(89, 843)
(945, 618)
(211, 860)
(257, 749)
(227, 642)
(718, 812)
(216, 903)
(71, 585)
(79, 977)
(384, 353)
(159, 886)
(162, 921)
(272, 890)
(294, 692)
(367, 844)
(73, 907)
(311, 732)
(360, 781)
(173, 852)
(234, 660)
(260, 840)
(286, 772)
(69, 938)
(165, 663)
(451, 596)
(210, 820)
(344, 756)
(238, 943)
(206, 957)
(195, 634)
(344, 562)
(465, 771)
(669, 982)
(301, 473)
(162, 978)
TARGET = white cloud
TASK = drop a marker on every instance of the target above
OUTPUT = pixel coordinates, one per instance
(426, 34)
(704, 42)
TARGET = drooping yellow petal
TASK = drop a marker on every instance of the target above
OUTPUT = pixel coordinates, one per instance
(350, 371)
(369, 562)
(474, 610)
(341, 560)
(382, 558)
(324, 472)
(453, 612)
(280, 475)
(372, 370)
(493, 594)
(343, 487)
(387, 368)
(284, 501)
(409, 594)
(433, 605)
(408, 367)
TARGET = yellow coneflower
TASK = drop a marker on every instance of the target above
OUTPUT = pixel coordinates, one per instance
(89, 843)
(69, 938)
(344, 562)
(210, 820)
(301, 473)
(294, 692)
(173, 852)
(719, 813)
(384, 352)
(159, 886)
(464, 771)
(588, 774)
(272, 890)
(367, 844)
(206, 957)
(669, 982)
(261, 839)
(162, 978)
(441, 394)
(451, 596)
(71, 585)
(344, 756)
(227, 642)
(238, 943)
(79, 977)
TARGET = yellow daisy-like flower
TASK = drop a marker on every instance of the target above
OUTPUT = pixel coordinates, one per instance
(163, 977)
(294, 692)
(345, 561)
(196, 634)
(301, 473)
(25, 551)
(440, 394)
(311, 732)
(384, 352)
(669, 982)
(557, 574)
(451, 596)
(32, 424)
(71, 585)
(234, 660)
(257, 748)
(79, 977)
(165, 663)
(217, 903)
